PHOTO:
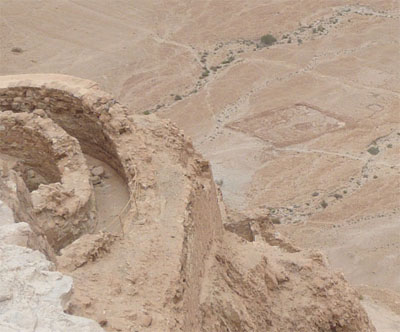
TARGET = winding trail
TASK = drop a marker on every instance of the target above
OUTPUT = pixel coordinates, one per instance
(337, 154)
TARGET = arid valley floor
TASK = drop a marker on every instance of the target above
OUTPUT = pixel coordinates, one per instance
(306, 131)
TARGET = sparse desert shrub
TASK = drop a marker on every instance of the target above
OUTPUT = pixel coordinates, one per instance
(17, 50)
(338, 196)
(321, 28)
(374, 150)
(389, 146)
(178, 97)
(268, 40)
(275, 220)
(324, 204)
(228, 60)
(205, 73)
(299, 41)
(146, 112)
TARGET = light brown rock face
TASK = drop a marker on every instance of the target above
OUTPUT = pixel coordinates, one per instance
(172, 266)
(258, 287)
(32, 295)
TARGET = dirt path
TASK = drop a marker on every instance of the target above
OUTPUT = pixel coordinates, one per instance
(338, 154)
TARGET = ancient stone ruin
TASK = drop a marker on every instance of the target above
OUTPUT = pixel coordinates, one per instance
(168, 264)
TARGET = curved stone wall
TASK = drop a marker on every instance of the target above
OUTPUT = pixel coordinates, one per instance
(47, 121)
(23, 137)
(76, 105)
(64, 208)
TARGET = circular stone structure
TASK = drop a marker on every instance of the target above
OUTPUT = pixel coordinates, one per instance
(47, 122)
(65, 207)
(78, 106)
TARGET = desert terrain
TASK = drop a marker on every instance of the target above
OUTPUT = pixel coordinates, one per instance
(305, 131)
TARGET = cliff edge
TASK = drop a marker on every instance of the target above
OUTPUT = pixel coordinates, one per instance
(164, 262)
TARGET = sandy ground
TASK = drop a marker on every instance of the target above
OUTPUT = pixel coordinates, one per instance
(111, 196)
(384, 320)
(307, 130)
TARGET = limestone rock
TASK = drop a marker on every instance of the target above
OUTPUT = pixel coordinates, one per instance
(32, 296)
(98, 171)
(6, 214)
(40, 112)
(86, 249)
(95, 180)
(19, 234)
(145, 320)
